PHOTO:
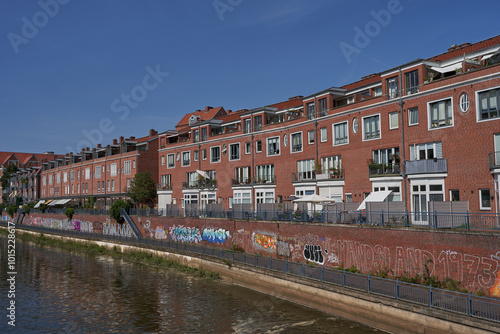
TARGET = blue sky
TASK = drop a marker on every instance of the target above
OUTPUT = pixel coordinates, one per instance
(76, 66)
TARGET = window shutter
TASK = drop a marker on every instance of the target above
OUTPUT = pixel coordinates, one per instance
(439, 150)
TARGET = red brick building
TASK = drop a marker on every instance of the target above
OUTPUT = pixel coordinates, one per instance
(428, 130)
(102, 172)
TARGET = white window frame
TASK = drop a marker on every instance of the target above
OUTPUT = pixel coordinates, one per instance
(346, 131)
(113, 170)
(189, 159)
(323, 134)
(87, 173)
(278, 144)
(413, 109)
(97, 174)
(65, 177)
(173, 160)
(196, 155)
(239, 152)
(478, 105)
(239, 195)
(481, 207)
(212, 157)
(162, 160)
(127, 167)
(429, 114)
(301, 142)
(265, 195)
(310, 139)
(391, 125)
(257, 147)
(248, 147)
(363, 127)
(435, 145)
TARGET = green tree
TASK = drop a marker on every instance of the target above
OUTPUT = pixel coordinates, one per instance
(69, 213)
(27, 207)
(143, 190)
(114, 212)
(11, 210)
(8, 171)
(2, 207)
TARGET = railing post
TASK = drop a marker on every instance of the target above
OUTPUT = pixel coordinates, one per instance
(382, 217)
(468, 221)
(343, 278)
(322, 272)
(303, 269)
(369, 284)
(407, 219)
(397, 288)
(286, 265)
(270, 262)
(430, 295)
(359, 217)
(435, 219)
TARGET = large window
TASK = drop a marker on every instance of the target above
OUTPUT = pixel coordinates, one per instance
(196, 136)
(166, 180)
(97, 173)
(392, 88)
(323, 134)
(71, 176)
(413, 116)
(264, 174)
(426, 151)
(242, 197)
(386, 156)
(305, 170)
(393, 120)
(340, 133)
(234, 151)
(257, 123)
(264, 196)
(247, 126)
(186, 158)
(489, 102)
(310, 110)
(215, 154)
(87, 175)
(441, 113)
(273, 146)
(322, 107)
(296, 142)
(242, 175)
(191, 179)
(127, 167)
(411, 82)
(371, 127)
(333, 163)
(204, 134)
(171, 160)
(113, 169)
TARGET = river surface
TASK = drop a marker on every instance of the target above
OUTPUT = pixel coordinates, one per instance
(69, 292)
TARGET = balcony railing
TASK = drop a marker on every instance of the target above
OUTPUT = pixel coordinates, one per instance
(333, 174)
(206, 183)
(160, 186)
(241, 181)
(264, 179)
(304, 176)
(375, 170)
(426, 166)
(494, 160)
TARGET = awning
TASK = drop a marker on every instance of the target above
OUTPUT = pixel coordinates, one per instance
(203, 173)
(48, 201)
(64, 201)
(54, 202)
(38, 204)
(376, 196)
(449, 68)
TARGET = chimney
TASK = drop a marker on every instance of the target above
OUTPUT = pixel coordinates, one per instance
(152, 132)
(87, 149)
(121, 139)
(207, 108)
(99, 146)
(132, 138)
(115, 142)
(452, 47)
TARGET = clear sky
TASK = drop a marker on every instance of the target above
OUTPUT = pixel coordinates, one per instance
(87, 71)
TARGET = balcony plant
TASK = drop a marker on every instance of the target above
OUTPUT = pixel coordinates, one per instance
(213, 182)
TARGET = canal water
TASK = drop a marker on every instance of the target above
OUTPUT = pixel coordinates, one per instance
(68, 292)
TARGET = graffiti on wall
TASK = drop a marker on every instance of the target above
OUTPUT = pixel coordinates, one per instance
(122, 230)
(495, 289)
(314, 253)
(148, 231)
(284, 248)
(183, 233)
(160, 233)
(215, 235)
(264, 241)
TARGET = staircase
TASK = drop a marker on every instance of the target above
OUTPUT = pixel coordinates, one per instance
(131, 223)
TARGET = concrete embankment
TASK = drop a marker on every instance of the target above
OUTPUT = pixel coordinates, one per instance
(376, 311)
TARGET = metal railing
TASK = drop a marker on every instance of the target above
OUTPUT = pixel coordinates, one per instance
(383, 169)
(494, 160)
(427, 296)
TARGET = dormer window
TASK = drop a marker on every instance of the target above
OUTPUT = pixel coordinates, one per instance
(193, 119)
(392, 88)
(411, 82)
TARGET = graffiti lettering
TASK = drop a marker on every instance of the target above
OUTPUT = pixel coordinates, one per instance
(267, 242)
(215, 235)
(313, 253)
(185, 234)
(284, 248)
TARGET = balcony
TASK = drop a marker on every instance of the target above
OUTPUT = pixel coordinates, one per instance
(428, 166)
(265, 179)
(205, 183)
(241, 181)
(376, 170)
(160, 186)
(494, 160)
(332, 174)
(304, 176)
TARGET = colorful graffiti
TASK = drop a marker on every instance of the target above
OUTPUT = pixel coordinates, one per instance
(264, 241)
(148, 231)
(185, 234)
(215, 235)
(313, 253)
(122, 230)
(495, 289)
(284, 248)
(160, 234)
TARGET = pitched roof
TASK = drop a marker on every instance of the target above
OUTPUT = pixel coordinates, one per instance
(4, 157)
(205, 115)
(291, 103)
(465, 48)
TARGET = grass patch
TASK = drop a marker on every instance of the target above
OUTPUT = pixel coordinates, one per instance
(141, 257)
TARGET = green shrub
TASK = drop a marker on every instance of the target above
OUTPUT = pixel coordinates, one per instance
(114, 212)
(69, 213)
(11, 210)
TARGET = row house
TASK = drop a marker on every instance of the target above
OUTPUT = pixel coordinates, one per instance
(427, 130)
(104, 173)
(23, 183)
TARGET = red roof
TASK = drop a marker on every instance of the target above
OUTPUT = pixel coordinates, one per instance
(143, 139)
(467, 48)
(366, 81)
(205, 115)
(4, 157)
(291, 103)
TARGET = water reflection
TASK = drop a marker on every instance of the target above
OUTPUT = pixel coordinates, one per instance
(64, 292)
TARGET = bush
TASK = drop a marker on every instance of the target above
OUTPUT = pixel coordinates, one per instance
(69, 213)
(27, 207)
(11, 210)
(2, 207)
(114, 212)
(43, 207)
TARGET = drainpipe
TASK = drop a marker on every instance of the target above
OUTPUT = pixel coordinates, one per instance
(401, 103)
(253, 161)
